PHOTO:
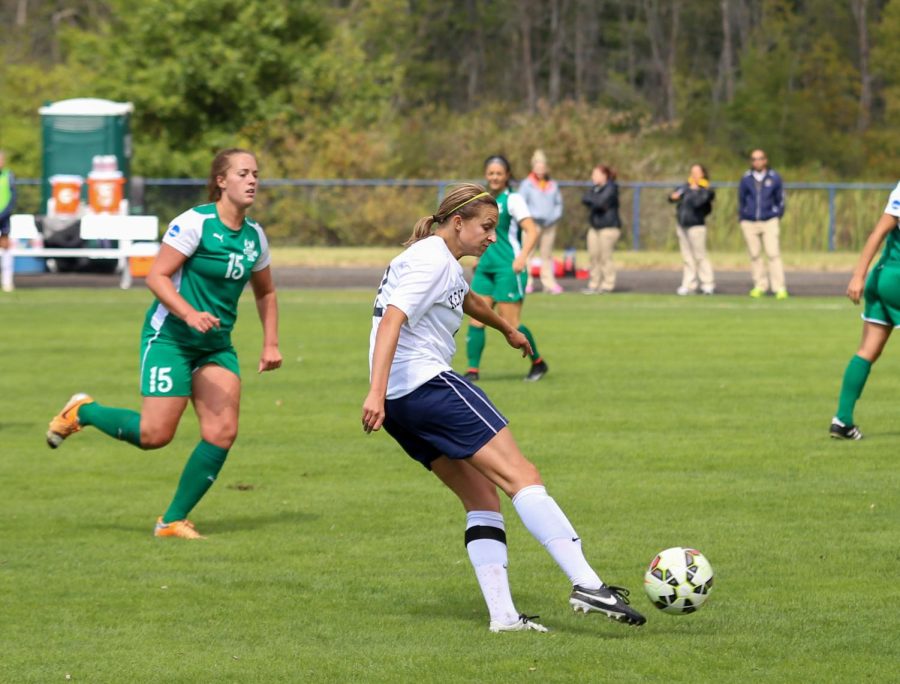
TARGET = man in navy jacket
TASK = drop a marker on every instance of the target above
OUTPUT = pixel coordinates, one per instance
(761, 206)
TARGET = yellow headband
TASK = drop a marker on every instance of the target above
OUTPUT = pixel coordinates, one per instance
(471, 199)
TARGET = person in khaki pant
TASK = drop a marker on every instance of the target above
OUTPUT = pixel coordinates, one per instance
(694, 203)
(545, 203)
(761, 206)
(602, 201)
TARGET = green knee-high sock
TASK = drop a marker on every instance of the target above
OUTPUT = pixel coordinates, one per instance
(474, 346)
(852, 387)
(198, 476)
(535, 355)
(123, 424)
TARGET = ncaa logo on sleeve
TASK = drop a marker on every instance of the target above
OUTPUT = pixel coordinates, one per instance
(895, 204)
(173, 231)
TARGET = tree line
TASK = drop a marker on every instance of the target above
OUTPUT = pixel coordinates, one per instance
(429, 87)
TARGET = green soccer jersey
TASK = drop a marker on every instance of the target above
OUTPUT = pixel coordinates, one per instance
(890, 257)
(219, 263)
(500, 255)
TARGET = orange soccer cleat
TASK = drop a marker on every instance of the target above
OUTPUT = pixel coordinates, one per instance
(65, 423)
(177, 528)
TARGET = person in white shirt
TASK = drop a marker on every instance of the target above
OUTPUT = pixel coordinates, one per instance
(449, 425)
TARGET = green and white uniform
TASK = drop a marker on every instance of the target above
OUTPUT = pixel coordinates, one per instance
(219, 263)
(494, 276)
(882, 291)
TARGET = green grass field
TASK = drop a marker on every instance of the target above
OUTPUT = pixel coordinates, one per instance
(332, 557)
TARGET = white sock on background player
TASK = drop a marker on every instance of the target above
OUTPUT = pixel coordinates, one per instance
(486, 544)
(550, 526)
(6, 267)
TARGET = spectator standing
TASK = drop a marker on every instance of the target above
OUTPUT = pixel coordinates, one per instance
(694, 203)
(761, 206)
(545, 202)
(602, 202)
(7, 207)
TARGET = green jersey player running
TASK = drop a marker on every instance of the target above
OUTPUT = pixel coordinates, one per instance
(881, 314)
(501, 273)
(208, 255)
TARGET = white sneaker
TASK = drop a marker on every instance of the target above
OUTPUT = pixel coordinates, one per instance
(708, 289)
(523, 624)
(683, 291)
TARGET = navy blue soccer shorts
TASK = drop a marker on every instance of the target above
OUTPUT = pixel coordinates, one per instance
(446, 416)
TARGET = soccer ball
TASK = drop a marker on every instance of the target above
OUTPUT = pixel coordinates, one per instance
(678, 580)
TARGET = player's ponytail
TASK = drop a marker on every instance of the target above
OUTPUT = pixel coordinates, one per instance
(464, 200)
(219, 168)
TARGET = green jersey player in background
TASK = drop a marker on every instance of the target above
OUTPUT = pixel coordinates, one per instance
(501, 273)
(880, 315)
(208, 255)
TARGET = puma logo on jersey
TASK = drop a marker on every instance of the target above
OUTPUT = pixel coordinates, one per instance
(216, 235)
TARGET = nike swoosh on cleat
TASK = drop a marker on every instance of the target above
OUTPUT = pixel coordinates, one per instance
(608, 601)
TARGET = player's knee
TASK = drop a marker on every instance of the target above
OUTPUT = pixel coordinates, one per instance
(526, 475)
(155, 438)
(222, 436)
(870, 355)
(531, 473)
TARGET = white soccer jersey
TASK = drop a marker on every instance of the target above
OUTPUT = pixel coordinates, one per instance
(518, 212)
(427, 284)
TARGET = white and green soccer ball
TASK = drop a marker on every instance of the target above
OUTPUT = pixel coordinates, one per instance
(678, 580)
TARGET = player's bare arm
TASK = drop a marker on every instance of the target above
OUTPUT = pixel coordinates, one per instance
(159, 280)
(267, 307)
(382, 358)
(475, 306)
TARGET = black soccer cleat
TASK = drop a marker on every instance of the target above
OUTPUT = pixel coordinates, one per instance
(538, 370)
(840, 431)
(609, 600)
(471, 376)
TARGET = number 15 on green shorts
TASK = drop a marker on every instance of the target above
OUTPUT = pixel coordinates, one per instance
(167, 368)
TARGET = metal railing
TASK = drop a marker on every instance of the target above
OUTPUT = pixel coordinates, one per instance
(637, 213)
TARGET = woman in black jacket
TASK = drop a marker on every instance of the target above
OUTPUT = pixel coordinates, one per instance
(693, 204)
(602, 201)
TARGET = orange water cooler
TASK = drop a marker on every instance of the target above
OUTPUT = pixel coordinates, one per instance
(105, 191)
(66, 193)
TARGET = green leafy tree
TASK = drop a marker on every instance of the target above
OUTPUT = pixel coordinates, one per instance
(199, 71)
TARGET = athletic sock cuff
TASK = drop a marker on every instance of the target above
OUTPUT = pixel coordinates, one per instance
(858, 359)
(211, 451)
(531, 490)
(485, 518)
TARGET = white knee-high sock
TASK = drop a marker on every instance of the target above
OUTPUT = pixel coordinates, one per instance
(6, 268)
(486, 544)
(550, 526)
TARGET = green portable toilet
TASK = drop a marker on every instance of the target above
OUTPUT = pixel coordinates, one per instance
(75, 131)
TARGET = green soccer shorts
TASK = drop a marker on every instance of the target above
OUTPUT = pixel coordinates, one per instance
(502, 286)
(882, 295)
(167, 368)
